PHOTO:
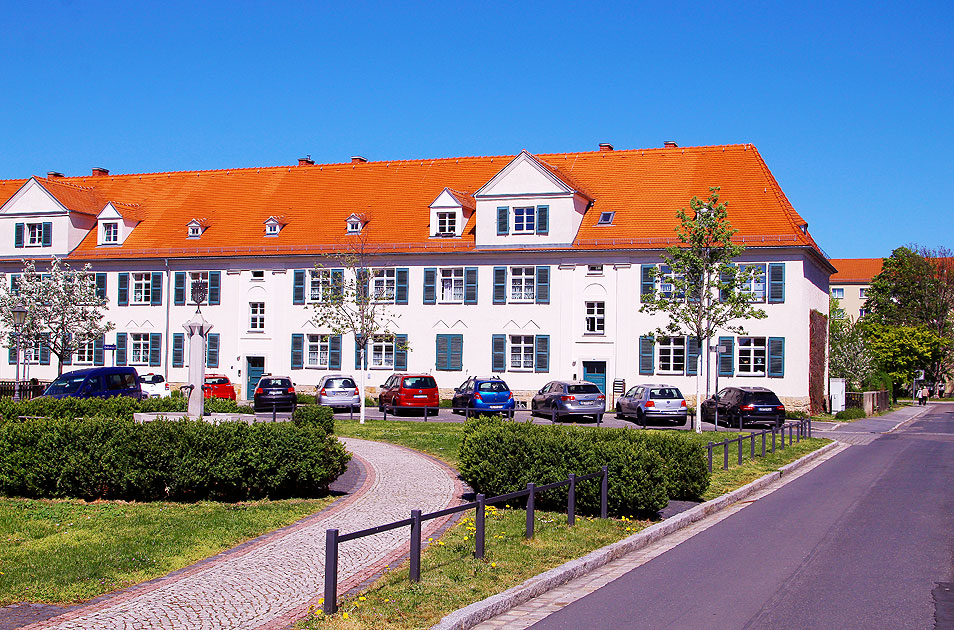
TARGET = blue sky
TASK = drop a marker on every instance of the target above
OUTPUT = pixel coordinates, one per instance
(850, 104)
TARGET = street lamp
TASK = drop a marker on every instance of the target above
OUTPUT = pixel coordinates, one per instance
(19, 314)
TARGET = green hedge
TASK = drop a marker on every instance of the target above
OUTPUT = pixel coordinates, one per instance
(185, 460)
(852, 413)
(316, 414)
(117, 407)
(646, 468)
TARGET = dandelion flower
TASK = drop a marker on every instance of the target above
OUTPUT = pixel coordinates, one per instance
(344, 615)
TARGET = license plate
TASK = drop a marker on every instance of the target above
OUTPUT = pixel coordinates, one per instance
(766, 409)
(586, 402)
(496, 406)
(420, 395)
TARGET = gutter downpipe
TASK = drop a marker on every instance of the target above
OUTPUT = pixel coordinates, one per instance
(165, 360)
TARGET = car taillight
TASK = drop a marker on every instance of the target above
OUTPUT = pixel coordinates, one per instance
(601, 397)
(683, 404)
(323, 392)
(748, 407)
(477, 396)
(259, 390)
(355, 391)
(780, 408)
(650, 403)
(291, 390)
(565, 398)
(509, 395)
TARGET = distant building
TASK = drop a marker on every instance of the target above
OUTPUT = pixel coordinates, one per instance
(851, 282)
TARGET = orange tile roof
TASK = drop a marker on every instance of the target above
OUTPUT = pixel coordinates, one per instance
(643, 187)
(75, 197)
(855, 269)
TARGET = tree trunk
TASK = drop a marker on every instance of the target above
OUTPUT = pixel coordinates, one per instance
(361, 379)
(697, 421)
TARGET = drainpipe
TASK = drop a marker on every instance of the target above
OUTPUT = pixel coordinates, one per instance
(168, 342)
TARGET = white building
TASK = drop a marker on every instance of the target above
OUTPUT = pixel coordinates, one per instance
(528, 266)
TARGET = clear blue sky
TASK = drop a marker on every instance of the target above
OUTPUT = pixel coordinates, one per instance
(852, 105)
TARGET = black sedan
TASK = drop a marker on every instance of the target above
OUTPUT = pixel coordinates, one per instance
(275, 392)
(741, 405)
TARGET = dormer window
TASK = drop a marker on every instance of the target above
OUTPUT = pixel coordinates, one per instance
(446, 224)
(524, 220)
(274, 225)
(354, 224)
(111, 232)
(606, 218)
(195, 228)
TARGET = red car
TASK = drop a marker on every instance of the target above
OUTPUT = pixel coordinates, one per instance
(404, 391)
(219, 386)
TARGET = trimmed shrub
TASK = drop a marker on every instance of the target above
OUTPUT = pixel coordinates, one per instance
(317, 415)
(224, 405)
(109, 458)
(852, 413)
(791, 414)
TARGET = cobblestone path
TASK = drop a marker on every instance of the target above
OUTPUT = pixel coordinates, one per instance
(271, 581)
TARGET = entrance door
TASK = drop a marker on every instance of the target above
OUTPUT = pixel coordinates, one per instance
(595, 372)
(254, 368)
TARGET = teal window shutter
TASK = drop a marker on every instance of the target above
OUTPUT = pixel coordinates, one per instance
(101, 286)
(215, 287)
(337, 283)
(400, 352)
(155, 289)
(776, 357)
(400, 285)
(442, 352)
(543, 285)
(357, 356)
(430, 285)
(45, 349)
(99, 350)
(14, 283)
(776, 283)
(500, 285)
(120, 348)
(503, 220)
(123, 297)
(498, 349)
(334, 352)
(692, 355)
(456, 360)
(727, 358)
(647, 287)
(68, 359)
(647, 358)
(298, 292)
(726, 276)
(179, 280)
(541, 361)
(470, 285)
(12, 350)
(543, 219)
(297, 351)
(18, 230)
(178, 350)
(212, 350)
(47, 234)
(155, 349)
(363, 278)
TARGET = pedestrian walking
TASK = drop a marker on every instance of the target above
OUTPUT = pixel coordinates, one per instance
(922, 395)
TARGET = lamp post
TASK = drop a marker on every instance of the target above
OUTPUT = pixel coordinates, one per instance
(19, 314)
(198, 329)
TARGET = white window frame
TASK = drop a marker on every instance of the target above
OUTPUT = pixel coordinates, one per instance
(521, 353)
(110, 232)
(256, 316)
(84, 354)
(452, 285)
(755, 287)
(141, 289)
(523, 284)
(354, 226)
(195, 231)
(752, 352)
(525, 220)
(671, 355)
(447, 223)
(318, 352)
(594, 270)
(31, 354)
(258, 275)
(320, 284)
(138, 348)
(838, 293)
(272, 229)
(383, 284)
(595, 320)
(381, 352)
(34, 235)
(195, 276)
(666, 287)
(863, 292)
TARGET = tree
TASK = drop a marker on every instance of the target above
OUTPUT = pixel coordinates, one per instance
(901, 350)
(64, 311)
(848, 354)
(707, 291)
(347, 303)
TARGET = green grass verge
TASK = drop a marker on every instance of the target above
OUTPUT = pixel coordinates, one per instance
(440, 439)
(452, 578)
(69, 551)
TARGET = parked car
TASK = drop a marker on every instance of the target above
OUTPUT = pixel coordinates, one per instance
(569, 398)
(409, 391)
(338, 391)
(740, 405)
(219, 386)
(100, 382)
(484, 394)
(153, 385)
(274, 392)
(653, 402)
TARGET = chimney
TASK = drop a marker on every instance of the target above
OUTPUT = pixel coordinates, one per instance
(54, 174)
(99, 171)
(357, 159)
(606, 146)
(306, 161)
(670, 144)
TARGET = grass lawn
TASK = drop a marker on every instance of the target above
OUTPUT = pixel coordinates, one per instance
(68, 551)
(440, 439)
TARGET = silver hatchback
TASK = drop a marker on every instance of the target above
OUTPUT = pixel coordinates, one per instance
(653, 402)
(559, 399)
(338, 391)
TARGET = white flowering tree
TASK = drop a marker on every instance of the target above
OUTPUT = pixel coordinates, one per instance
(64, 311)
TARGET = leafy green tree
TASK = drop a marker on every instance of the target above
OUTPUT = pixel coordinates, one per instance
(848, 354)
(901, 350)
(707, 290)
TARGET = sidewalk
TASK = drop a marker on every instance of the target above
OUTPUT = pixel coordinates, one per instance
(866, 430)
(269, 582)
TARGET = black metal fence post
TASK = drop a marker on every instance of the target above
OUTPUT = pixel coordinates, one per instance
(725, 454)
(571, 502)
(385, 408)
(530, 510)
(709, 448)
(773, 439)
(274, 411)
(415, 545)
(763, 442)
(330, 606)
(809, 427)
(798, 432)
(604, 493)
(479, 523)
(751, 446)
(782, 444)
(740, 448)
(553, 416)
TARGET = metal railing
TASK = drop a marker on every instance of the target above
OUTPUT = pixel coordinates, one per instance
(28, 390)
(333, 538)
(796, 431)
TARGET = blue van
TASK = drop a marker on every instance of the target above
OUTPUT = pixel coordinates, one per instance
(99, 382)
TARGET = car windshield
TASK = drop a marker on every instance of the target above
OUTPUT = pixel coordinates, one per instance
(419, 382)
(665, 393)
(585, 388)
(65, 384)
(762, 398)
(274, 382)
(216, 380)
(336, 383)
(151, 378)
(493, 386)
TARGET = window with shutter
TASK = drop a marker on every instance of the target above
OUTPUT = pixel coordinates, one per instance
(646, 358)
(647, 287)
(776, 280)
(727, 358)
(776, 357)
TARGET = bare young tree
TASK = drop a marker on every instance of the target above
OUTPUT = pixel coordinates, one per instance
(848, 354)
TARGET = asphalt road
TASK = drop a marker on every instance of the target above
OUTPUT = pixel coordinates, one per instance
(862, 541)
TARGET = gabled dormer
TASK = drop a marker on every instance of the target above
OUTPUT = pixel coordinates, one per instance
(450, 212)
(115, 222)
(355, 223)
(196, 227)
(46, 216)
(274, 225)
(529, 203)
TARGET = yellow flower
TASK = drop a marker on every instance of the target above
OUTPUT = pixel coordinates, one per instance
(362, 598)
(386, 601)
(344, 615)
(321, 600)
(493, 565)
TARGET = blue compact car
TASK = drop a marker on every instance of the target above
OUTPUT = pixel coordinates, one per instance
(484, 394)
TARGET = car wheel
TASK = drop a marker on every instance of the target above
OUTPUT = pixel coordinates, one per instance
(380, 405)
(619, 412)
(640, 416)
(533, 408)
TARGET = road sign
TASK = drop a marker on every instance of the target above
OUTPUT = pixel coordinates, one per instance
(109, 346)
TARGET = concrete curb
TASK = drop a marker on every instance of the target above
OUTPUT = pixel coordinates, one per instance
(471, 615)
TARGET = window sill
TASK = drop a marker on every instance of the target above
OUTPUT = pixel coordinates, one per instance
(316, 367)
(750, 374)
(525, 370)
(594, 334)
(671, 373)
(257, 331)
(451, 302)
(522, 301)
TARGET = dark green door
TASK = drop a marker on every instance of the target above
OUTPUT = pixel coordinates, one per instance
(254, 368)
(595, 372)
